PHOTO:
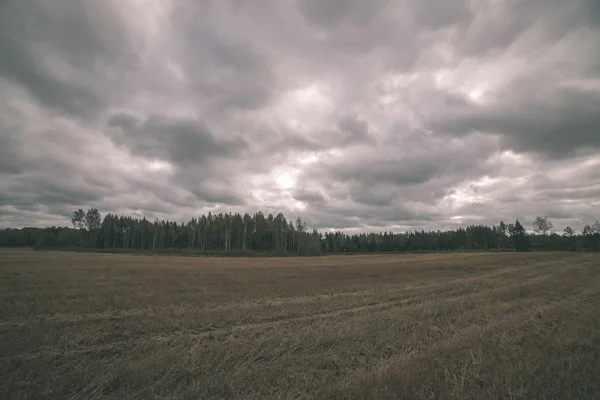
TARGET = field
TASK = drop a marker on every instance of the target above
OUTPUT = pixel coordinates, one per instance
(504, 325)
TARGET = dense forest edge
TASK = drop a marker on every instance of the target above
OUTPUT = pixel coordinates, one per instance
(260, 235)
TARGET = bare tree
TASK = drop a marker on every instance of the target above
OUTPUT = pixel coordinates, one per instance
(542, 225)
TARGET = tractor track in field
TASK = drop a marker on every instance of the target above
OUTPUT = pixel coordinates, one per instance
(210, 332)
(70, 318)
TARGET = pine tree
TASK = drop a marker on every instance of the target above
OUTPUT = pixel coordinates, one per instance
(521, 238)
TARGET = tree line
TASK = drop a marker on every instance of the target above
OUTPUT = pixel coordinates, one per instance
(231, 234)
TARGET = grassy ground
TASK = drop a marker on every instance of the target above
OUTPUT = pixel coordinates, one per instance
(87, 326)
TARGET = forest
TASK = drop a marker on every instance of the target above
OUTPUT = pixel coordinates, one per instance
(257, 234)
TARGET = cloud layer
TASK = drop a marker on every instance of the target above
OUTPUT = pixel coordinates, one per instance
(352, 115)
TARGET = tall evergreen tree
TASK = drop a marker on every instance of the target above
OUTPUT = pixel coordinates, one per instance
(521, 238)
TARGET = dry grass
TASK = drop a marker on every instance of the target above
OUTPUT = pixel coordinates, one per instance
(86, 326)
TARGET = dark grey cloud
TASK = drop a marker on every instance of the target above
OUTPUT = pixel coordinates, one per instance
(497, 25)
(556, 122)
(53, 49)
(423, 159)
(434, 14)
(125, 121)
(330, 14)
(307, 195)
(9, 163)
(354, 129)
(44, 194)
(178, 140)
(223, 190)
(224, 69)
(350, 114)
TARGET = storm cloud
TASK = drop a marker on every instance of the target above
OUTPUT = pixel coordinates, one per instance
(352, 115)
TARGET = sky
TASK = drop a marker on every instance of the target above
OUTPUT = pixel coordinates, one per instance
(353, 115)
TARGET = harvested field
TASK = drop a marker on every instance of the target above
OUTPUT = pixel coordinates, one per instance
(459, 326)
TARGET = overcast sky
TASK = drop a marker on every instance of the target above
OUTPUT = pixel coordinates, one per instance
(354, 115)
